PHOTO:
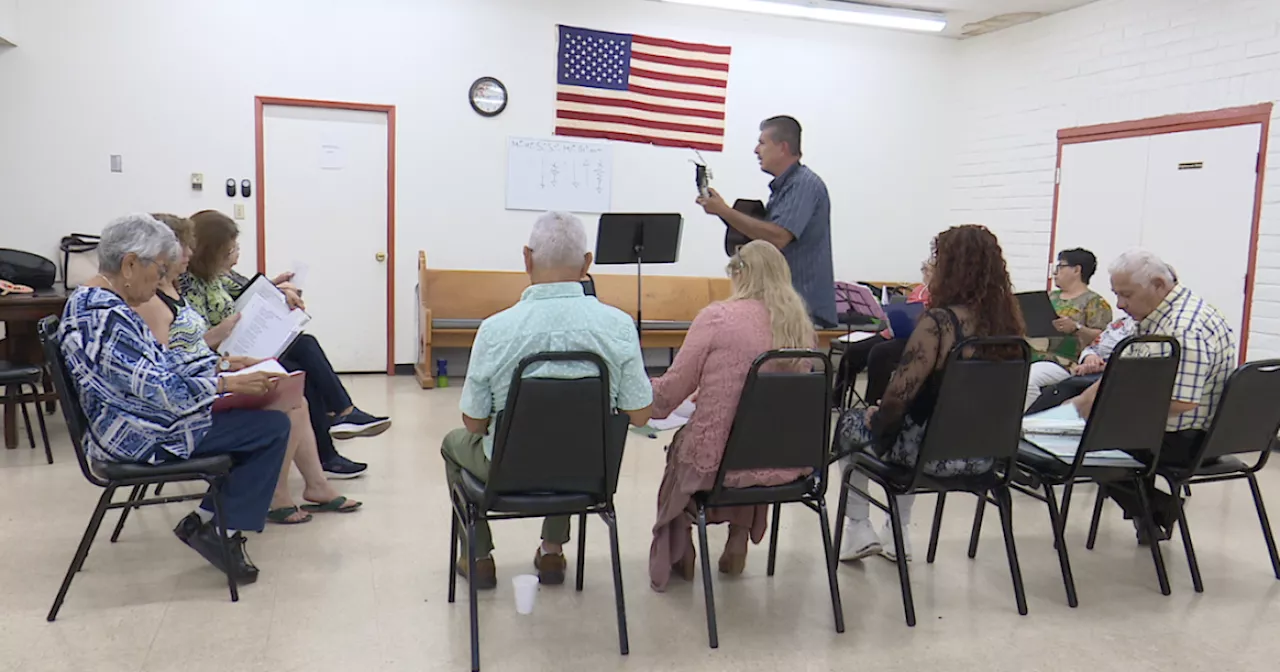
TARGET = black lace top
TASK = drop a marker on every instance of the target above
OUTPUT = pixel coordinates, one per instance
(913, 391)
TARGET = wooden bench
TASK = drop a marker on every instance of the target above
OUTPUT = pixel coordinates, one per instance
(453, 303)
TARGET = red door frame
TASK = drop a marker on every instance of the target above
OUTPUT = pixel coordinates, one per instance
(261, 102)
(1177, 123)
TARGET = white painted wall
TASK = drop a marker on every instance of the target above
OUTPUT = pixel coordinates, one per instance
(170, 86)
(1112, 60)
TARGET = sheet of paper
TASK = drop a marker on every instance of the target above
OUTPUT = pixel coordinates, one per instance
(678, 418)
(300, 271)
(265, 329)
(267, 365)
(857, 336)
(261, 286)
(1064, 448)
(1057, 420)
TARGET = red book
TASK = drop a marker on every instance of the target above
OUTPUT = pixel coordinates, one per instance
(285, 396)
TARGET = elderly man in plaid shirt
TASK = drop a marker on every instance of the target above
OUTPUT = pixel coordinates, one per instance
(1147, 289)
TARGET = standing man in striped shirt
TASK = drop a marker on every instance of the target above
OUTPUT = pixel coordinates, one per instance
(799, 221)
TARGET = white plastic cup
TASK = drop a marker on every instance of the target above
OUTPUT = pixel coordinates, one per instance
(526, 588)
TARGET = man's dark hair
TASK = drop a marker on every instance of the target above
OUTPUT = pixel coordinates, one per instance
(1081, 257)
(784, 129)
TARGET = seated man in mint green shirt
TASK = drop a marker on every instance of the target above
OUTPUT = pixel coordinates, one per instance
(553, 315)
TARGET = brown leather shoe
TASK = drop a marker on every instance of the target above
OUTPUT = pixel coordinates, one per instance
(486, 573)
(550, 568)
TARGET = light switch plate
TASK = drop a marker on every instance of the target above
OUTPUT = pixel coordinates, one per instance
(117, 163)
(197, 181)
(238, 210)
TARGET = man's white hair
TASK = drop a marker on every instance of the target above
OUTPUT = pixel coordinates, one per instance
(1143, 267)
(559, 240)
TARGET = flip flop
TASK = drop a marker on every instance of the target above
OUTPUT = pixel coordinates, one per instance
(282, 516)
(334, 505)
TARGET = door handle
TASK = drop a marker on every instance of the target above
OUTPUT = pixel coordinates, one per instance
(381, 257)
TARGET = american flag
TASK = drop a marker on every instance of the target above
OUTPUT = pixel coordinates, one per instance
(641, 89)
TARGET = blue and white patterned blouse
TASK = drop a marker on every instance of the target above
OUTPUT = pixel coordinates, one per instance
(144, 403)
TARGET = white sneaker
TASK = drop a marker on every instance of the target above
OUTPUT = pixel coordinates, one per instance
(889, 551)
(860, 541)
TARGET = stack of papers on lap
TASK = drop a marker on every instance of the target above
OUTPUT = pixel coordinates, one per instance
(266, 328)
(285, 396)
(1062, 420)
(678, 418)
(1064, 448)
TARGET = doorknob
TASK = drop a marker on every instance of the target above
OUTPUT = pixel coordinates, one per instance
(381, 257)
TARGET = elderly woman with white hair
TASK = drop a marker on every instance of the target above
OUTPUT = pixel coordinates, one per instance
(149, 405)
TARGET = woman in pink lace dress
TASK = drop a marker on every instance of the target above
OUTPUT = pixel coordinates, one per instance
(763, 313)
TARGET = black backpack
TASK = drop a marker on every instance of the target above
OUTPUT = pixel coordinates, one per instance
(25, 268)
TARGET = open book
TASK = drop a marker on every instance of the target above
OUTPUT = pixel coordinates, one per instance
(267, 326)
(285, 396)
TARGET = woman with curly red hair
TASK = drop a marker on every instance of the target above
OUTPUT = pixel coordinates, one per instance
(970, 296)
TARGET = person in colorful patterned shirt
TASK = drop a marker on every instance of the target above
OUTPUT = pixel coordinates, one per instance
(211, 287)
(1147, 289)
(147, 404)
(1082, 317)
(553, 315)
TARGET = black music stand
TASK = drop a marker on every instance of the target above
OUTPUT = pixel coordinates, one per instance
(638, 239)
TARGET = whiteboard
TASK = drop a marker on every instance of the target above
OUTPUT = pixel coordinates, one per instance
(559, 175)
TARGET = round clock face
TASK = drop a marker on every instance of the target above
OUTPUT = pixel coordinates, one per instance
(488, 96)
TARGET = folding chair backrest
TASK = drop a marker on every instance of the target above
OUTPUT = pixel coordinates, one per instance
(783, 419)
(558, 435)
(978, 412)
(1132, 406)
(1248, 414)
(72, 412)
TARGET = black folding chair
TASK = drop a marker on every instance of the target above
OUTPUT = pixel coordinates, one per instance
(557, 450)
(977, 415)
(1247, 420)
(17, 379)
(783, 421)
(1129, 414)
(113, 475)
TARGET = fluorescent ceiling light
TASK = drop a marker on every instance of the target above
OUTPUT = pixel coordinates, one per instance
(824, 10)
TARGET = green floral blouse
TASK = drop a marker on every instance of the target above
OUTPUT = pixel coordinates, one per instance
(1089, 310)
(213, 299)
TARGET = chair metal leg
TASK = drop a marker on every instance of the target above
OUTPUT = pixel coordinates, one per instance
(1192, 563)
(829, 554)
(1005, 500)
(134, 496)
(1097, 516)
(90, 531)
(44, 431)
(453, 552)
(159, 487)
(712, 635)
(841, 510)
(471, 588)
(1186, 490)
(582, 550)
(904, 578)
(1266, 525)
(216, 488)
(977, 526)
(937, 525)
(1153, 534)
(1060, 541)
(26, 417)
(611, 520)
(773, 537)
(1065, 505)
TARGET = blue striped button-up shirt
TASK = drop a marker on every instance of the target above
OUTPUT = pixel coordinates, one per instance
(799, 203)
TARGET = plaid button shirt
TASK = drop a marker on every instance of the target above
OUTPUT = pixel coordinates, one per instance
(1208, 353)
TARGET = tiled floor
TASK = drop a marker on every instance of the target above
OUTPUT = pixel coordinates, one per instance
(367, 591)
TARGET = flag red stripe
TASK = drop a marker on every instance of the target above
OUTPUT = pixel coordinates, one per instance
(682, 95)
(628, 137)
(682, 79)
(632, 121)
(637, 105)
(683, 62)
(686, 46)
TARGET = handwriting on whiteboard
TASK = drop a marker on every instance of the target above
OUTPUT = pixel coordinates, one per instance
(558, 175)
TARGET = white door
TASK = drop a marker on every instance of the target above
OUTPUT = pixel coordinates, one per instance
(325, 190)
(1199, 211)
(1101, 195)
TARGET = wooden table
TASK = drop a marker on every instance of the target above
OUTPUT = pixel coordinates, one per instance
(21, 345)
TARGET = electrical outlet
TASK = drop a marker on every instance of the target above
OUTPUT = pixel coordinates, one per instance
(197, 181)
(238, 210)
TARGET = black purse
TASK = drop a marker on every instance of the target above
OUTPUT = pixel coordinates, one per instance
(25, 268)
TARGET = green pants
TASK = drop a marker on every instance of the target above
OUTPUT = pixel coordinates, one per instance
(463, 450)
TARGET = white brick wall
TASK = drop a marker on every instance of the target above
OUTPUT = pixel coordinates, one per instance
(1113, 60)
